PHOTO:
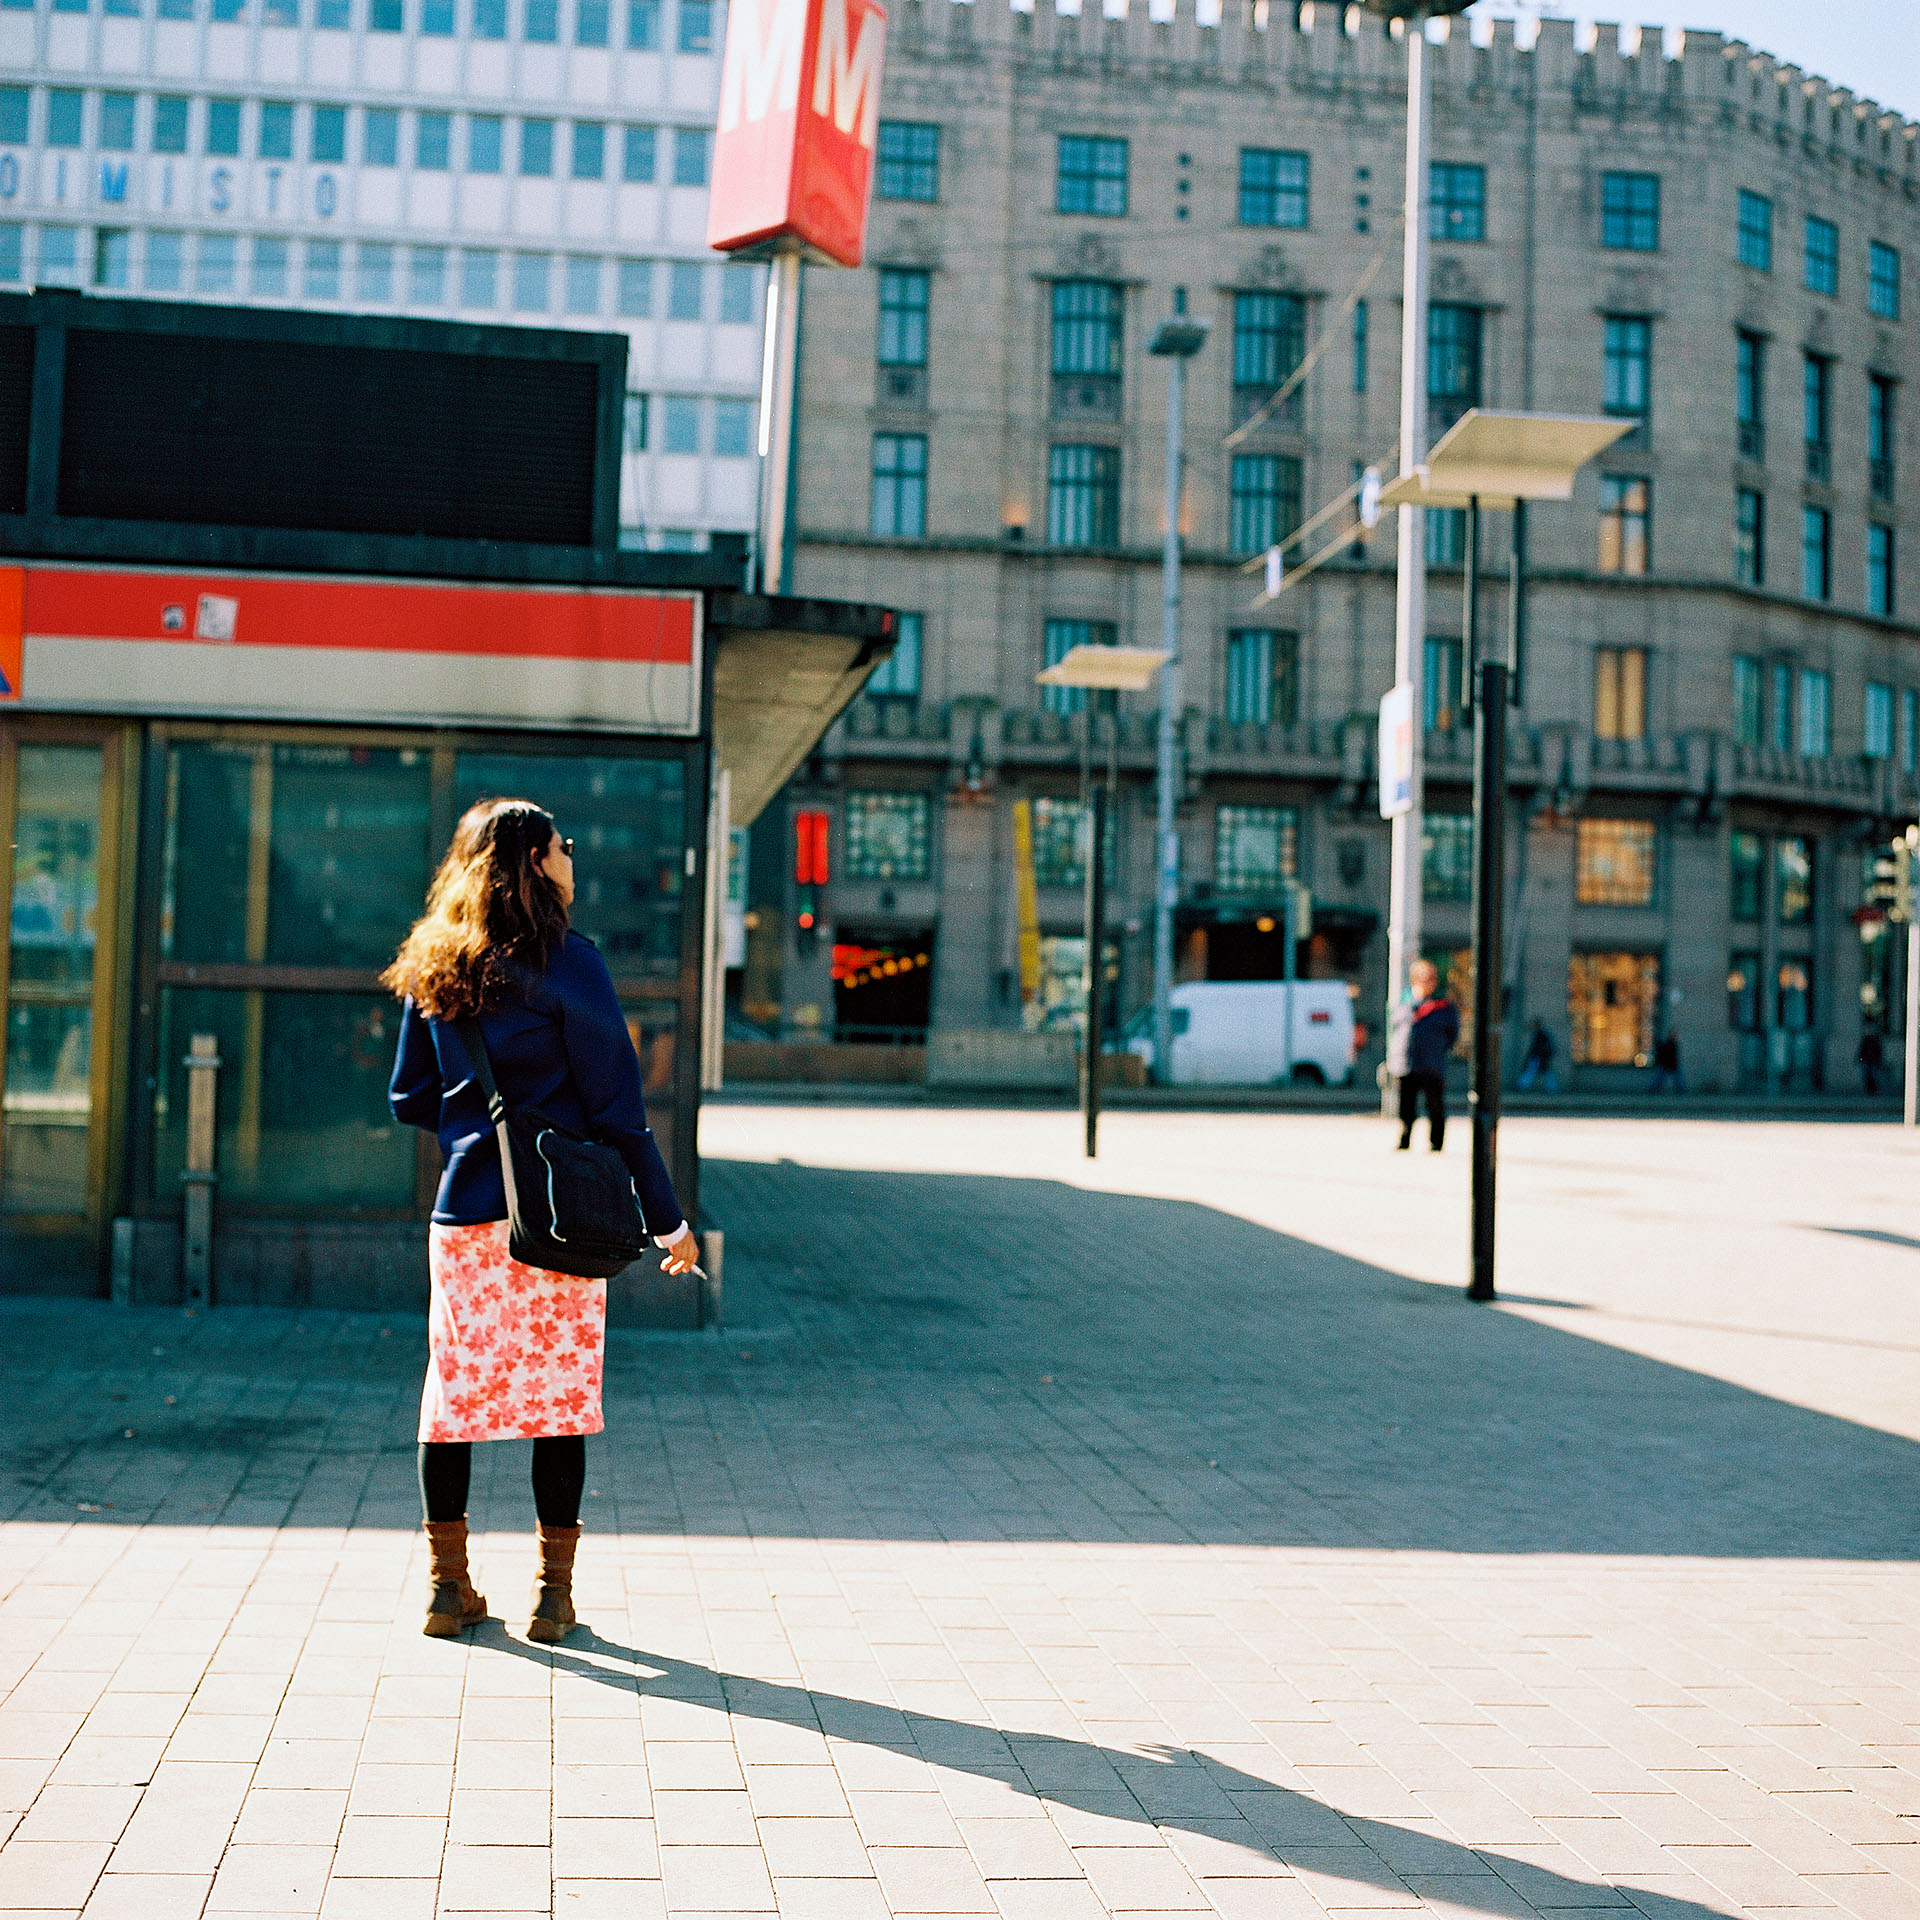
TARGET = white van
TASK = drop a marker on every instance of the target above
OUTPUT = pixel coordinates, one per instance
(1251, 1033)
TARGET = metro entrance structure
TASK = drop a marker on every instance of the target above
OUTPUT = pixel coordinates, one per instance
(280, 594)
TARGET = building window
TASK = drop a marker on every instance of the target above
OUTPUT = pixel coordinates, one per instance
(323, 270)
(1780, 710)
(733, 422)
(373, 272)
(1446, 536)
(379, 135)
(1746, 854)
(643, 25)
(900, 484)
(479, 271)
(223, 127)
(1446, 856)
(1793, 1011)
(1823, 256)
(1083, 496)
(1613, 1008)
(888, 836)
(1743, 991)
(1816, 553)
(691, 147)
(112, 257)
(1441, 685)
(1262, 677)
(270, 271)
(897, 677)
(1816, 714)
(1620, 693)
(903, 317)
(909, 161)
(1269, 337)
(1453, 364)
(117, 116)
(637, 156)
(1058, 639)
(12, 251)
(1625, 522)
(635, 296)
(489, 17)
(589, 150)
(1086, 328)
(1756, 231)
(170, 124)
(633, 435)
(1883, 281)
(1265, 501)
(532, 282)
(696, 26)
(485, 142)
(536, 148)
(1880, 569)
(432, 141)
(1628, 378)
(1614, 863)
(1748, 701)
(1750, 396)
(1876, 731)
(1630, 211)
(1059, 843)
(1880, 440)
(1359, 346)
(686, 290)
(1457, 201)
(1254, 849)
(1750, 537)
(1793, 880)
(1909, 729)
(590, 22)
(680, 424)
(1273, 188)
(1816, 408)
(1092, 175)
(739, 283)
(383, 16)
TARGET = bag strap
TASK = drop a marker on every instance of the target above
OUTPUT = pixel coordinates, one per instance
(476, 1045)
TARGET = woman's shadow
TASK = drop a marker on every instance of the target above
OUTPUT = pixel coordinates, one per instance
(1155, 1786)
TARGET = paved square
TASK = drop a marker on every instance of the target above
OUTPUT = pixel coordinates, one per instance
(1158, 1536)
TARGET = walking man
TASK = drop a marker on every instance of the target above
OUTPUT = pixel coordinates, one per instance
(1432, 1025)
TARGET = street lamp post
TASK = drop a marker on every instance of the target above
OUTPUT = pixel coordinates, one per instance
(1176, 341)
(1500, 460)
(1109, 672)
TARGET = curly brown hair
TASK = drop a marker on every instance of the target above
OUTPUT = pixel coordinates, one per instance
(492, 913)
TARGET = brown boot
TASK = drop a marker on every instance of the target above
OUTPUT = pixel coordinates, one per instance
(553, 1614)
(454, 1606)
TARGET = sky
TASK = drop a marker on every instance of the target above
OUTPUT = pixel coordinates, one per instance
(1871, 46)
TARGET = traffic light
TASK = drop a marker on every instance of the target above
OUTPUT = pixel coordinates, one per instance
(811, 826)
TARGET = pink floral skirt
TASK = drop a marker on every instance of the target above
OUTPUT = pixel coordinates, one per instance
(513, 1352)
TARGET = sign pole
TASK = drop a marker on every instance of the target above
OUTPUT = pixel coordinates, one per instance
(779, 372)
(1910, 850)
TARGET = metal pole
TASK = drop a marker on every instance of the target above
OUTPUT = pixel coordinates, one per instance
(1911, 1112)
(1096, 961)
(778, 373)
(198, 1177)
(1166, 887)
(1410, 613)
(1517, 609)
(1489, 888)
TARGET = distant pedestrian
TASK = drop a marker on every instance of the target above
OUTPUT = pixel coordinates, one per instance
(1536, 1068)
(1425, 1028)
(1872, 1057)
(1666, 1064)
(514, 1352)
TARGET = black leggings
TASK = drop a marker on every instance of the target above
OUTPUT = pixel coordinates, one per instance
(559, 1476)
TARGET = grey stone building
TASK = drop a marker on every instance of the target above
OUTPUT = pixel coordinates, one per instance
(1721, 713)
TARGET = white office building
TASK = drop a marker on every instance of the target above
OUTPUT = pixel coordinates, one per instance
(537, 162)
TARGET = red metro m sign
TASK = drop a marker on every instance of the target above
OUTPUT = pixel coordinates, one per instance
(799, 116)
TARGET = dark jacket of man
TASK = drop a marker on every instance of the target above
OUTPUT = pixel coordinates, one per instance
(1436, 1026)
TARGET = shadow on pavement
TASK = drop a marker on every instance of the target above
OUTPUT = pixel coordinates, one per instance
(1232, 1821)
(930, 1357)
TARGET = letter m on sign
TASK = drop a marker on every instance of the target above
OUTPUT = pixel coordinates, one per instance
(799, 118)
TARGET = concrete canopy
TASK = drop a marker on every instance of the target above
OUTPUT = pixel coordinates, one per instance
(1498, 458)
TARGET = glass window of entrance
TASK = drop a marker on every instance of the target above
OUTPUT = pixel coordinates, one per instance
(888, 836)
(1743, 991)
(1614, 863)
(1059, 842)
(1254, 848)
(1613, 1004)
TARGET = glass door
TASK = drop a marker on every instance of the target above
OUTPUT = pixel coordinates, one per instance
(59, 792)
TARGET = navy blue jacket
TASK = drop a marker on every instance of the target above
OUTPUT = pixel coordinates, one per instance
(564, 1050)
(1436, 1026)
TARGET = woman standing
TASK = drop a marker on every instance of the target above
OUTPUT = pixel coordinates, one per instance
(514, 1352)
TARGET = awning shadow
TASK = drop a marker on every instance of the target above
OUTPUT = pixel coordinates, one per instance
(1224, 1822)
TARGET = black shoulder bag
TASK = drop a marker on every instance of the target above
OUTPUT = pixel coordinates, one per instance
(572, 1206)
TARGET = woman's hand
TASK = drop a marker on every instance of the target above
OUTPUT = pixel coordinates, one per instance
(682, 1249)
